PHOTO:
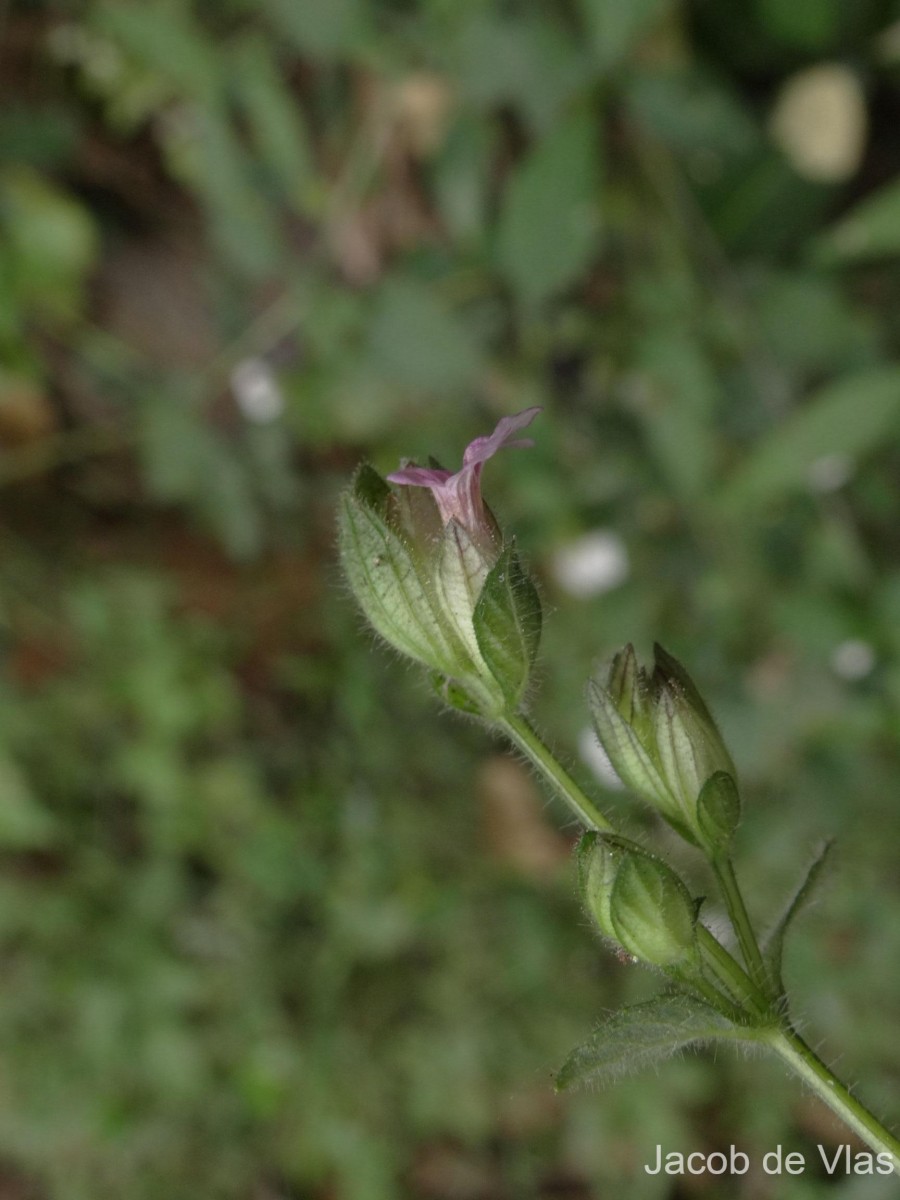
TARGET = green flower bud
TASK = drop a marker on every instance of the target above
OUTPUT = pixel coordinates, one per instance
(665, 747)
(623, 717)
(432, 573)
(637, 900)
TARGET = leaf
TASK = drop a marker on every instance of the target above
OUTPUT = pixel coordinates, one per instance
(848, 417)
(220, 171)
(275, 119)
(419, 342)
(773, 944)
(507, 621)
(808, 24)
(50, 241)
(462, 177)
(547, 231)
(643, 1034)
(528, 61)
(24, 824)
(614, 28)
(165, 38)
(323, 28)
(870, 230)
(676, 399)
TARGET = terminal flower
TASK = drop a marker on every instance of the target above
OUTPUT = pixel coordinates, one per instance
(458, 496)
(436, 577)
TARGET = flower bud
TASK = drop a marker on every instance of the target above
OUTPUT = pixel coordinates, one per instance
(664, 745)
(432, 573)
(637, 900)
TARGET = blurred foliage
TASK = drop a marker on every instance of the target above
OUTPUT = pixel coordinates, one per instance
(272, 926)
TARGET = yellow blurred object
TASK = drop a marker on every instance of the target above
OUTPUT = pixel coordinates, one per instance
(820, 122)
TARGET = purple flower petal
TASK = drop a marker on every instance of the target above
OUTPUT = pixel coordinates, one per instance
(483, 448)
(419, 477)
(458, 496)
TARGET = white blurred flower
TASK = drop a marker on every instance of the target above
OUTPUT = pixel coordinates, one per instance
(853, 659)
(595, 757)
(820, 121)
(256, 390)
(592, 564)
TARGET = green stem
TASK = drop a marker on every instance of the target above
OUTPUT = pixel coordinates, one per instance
(722, 1001)
(752, 991)
(732, 974)
(518, 730)
(805, 1063)
(740, 919)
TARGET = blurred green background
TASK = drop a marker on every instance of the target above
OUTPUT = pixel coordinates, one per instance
(272, 926)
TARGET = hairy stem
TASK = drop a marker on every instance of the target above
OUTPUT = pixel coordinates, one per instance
(804, 1062)
(730, 973)
(740, 919)
(520, 732)
(753, 991)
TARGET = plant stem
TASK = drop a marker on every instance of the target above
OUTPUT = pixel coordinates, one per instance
(753, 990)
(519, 731)
(740, 919)
(732, 974)
(806, 1063)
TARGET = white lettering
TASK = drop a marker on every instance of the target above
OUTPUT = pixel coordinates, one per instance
(794, 1163)
(831, 1167)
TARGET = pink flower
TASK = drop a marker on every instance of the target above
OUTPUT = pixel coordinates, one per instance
(458, 496)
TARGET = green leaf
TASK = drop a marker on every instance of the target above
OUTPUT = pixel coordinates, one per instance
(528, 61)
(275, 119)
(165, 38)
(507, 621)
(870, 230)
(419, 342)
(807, 24)
(323, 28)
(220, 171)
(644, 1034)
(24, 824)
(547, 231)
(676, 401)
(773, 943)
(462, 177)
(848, 417)
(614, 27)
(50, 241)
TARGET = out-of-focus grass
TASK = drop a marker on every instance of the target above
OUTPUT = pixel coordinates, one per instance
(271, 924)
